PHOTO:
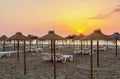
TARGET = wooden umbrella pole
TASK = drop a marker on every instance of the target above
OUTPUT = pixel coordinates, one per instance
(51, 50)
(97, 52)
(62, 42)
(37, 43)
(18, 50)
(81, 46)
(30, 45)
(42, 43)
(91, 63)
(3, 45)
(54, 52)
(24, 58)
(14, 45)
(116, 48)
(107, 45)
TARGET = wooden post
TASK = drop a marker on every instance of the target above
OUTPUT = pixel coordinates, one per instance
(87, 44)
(107, 45)
(62, 43)
(24, 58)
(14, 45)
(30, 45)
(51, 50)
(81, 46)
(97, 52)
(18, 50)
(37, 43)
(54, 52)
(42, 43)
(3, 45)
(91, 63)
(116, 48)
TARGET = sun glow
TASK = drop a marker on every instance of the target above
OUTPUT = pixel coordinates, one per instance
(79, 31)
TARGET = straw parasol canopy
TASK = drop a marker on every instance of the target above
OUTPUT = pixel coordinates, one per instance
(71, 36)
(4, 37)
(18, 36)
(115, 35)
(32, 37)
(79, 37)
(50, 36)
(96, 35)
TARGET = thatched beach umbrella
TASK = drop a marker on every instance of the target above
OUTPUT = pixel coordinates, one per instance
(18, 36)
(80, 36)
(116, 37)
(96, 35)
(52, 36)
(3, 38)
(31, 38)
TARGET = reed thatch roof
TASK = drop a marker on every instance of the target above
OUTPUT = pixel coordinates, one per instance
(96, 35)
(4, 37)
(115, 35)
(32, 37)
(51, 35)
(18, 36)
(80, 36)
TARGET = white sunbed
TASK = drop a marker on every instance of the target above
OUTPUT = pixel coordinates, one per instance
(100, 49)
(39, 49)
(77, 51)
(59, 57)
(46, 56)
(7, 53)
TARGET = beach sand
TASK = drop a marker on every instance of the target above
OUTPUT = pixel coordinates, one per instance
(79, 68)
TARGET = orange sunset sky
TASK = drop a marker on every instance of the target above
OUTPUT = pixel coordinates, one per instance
(66, 17)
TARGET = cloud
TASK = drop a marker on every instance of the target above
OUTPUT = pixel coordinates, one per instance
(118, 6)
(116, 10)
(107, 15)
(101, 16)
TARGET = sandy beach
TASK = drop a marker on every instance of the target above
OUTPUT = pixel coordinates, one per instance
(79, 68)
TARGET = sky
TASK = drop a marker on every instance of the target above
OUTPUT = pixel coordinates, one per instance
(65, 17)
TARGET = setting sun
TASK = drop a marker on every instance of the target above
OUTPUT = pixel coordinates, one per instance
(79, 31)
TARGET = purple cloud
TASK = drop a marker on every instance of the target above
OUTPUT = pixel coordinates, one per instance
(118, 6)
(116, 10)
(101, 16)
(105, 16)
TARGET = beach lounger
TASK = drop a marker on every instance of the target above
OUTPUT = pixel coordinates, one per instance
(46, 56)
(59, 57)
(87, 52)
(39, 49)
(100, 49)
(6, 53)
(77, 51)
